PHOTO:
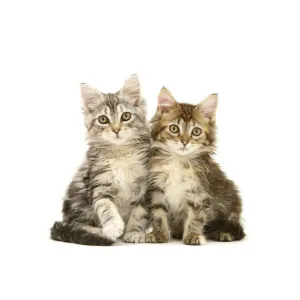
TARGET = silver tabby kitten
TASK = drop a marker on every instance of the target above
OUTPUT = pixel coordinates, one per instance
(107, 193)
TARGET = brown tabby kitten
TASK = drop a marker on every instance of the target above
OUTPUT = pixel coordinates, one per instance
(188, 193)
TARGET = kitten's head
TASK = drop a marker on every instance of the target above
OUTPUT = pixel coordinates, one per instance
(118, 118)
(185, 129)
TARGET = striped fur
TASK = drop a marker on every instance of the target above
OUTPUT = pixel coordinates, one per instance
(188, 194)
(106, 196)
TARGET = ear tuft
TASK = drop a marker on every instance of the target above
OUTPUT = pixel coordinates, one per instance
(165, 100)
(131, 90)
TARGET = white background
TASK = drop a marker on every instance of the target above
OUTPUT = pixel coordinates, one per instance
(247, 51)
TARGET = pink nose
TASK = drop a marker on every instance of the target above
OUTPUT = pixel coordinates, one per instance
(116, 130)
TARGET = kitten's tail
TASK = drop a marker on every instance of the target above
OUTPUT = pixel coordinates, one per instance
(73, 233)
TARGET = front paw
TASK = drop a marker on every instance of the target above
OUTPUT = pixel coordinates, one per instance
(156, 237)
(113, 229)
(134, 237)
(194, 239)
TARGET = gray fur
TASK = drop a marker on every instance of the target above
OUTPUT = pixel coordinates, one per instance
(106, 195)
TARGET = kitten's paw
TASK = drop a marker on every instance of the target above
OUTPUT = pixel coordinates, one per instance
(223, 237)
(114, 229)
(194, 239)
(156, 237)
(226, 237)
(134, 237)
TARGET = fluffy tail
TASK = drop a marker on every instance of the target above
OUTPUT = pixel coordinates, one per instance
(73, 233)
(215, 230)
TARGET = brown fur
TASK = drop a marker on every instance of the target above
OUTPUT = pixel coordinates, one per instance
(204, 202)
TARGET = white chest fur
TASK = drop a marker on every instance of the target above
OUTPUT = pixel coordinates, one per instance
(179, 182)
(129, 178)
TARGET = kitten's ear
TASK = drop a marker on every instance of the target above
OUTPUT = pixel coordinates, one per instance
(165, 100)
(91, 97)
(131, 90)
(208, 106)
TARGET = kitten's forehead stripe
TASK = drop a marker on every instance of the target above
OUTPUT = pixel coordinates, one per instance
(111, 102)
(187, 111)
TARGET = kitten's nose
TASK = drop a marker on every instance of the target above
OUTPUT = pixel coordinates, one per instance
(184, 142)
(116, 130)
(185, 139)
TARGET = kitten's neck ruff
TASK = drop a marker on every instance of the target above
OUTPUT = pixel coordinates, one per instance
(134, 143)
(170, 154)
(99, 150)
(199, 163)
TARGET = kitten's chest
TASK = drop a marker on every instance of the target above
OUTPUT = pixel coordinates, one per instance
(127, 174)
(180, 180)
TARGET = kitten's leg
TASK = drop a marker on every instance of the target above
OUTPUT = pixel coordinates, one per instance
(160, 233)
(135, 231)
(159, 218)
(110, 219)
(102, 200)
(193, 229)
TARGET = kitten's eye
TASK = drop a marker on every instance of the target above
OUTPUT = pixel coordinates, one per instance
(126, 116)
(103, 119)
(196, 131)
(174, 128)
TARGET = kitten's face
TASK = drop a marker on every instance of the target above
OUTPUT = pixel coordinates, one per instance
(115, 122)
(185, 129)
(184, 136)
(115, 118)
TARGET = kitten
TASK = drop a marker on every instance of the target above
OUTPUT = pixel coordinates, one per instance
(188, 194)
(108, 190)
